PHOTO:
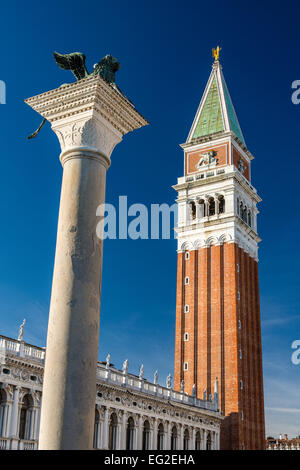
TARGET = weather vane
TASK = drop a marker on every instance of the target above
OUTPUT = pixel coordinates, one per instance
(216, 53)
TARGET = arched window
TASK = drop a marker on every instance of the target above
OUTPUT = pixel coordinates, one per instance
(3, 419)
(238, 206)
(208, 442)
(198, 441)
(130, 434)
(192, 208)
(249, 218)
(211, 206)
(186, 438)
(160, 437)
(96, 429)
(221, 205)
(26, 418)
(241, 209)
(113, 432)
(146, 435)
(174, 438)
(201, 208)
(245, 212)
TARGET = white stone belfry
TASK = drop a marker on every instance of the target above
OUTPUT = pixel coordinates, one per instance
(89, 118)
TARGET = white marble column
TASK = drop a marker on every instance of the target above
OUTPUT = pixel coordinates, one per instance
(5, 418)
(204, 434)
(140, 434)
(154, 439)
(15, 414)
(105, 430)
(193, 439)
(167, 445)
(124, 429)
(89, 118)
(181, 438)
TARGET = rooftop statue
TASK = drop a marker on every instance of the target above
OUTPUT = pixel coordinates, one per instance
(75, 62)
(216, 53)
(21, 331)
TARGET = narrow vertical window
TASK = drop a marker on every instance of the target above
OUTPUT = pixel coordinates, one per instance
(186, 280)
(186, 309)
(186, 366)
(187, 255)
(186, 337)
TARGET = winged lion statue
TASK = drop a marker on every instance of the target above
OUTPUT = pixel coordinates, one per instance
(75, 62)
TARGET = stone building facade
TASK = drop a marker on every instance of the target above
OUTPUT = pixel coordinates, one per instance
(130, 412)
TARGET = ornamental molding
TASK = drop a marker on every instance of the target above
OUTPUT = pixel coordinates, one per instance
(87, 97)
(167, 412)
(245, 243)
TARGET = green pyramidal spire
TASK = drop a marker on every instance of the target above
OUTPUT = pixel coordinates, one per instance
(216, 112)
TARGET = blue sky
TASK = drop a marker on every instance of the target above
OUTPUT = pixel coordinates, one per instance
(165, 52)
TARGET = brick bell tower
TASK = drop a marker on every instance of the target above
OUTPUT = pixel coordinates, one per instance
(217, 310)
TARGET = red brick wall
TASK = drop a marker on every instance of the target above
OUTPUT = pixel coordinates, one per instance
(236, 156)
(215, 339)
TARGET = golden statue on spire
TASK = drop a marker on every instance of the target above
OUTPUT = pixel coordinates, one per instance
(216, 53)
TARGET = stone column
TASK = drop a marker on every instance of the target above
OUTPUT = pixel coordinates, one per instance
(124, 429)
(181, 438)
(89, 118)
(105, 430)
(140, 433)
(167, 444)
(154, 437)
(15, 414)
(193, 441)
(204, 439)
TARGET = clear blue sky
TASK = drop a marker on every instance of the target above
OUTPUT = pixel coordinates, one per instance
(165, 52)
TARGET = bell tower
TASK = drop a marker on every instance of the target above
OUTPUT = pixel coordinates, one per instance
(217, 306)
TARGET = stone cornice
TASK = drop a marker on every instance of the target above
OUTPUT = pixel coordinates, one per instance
(233, 175)
(87, 97)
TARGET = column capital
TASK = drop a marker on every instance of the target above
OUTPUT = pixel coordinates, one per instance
(89, 116)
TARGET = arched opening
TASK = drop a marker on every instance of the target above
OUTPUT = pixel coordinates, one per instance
(130, 434)
(186, 438)
(146, 435)
(198, 441)
(208, 441)
(160, 437)
(245, 212)
(238, 206)
(26, 414)
(221, 205)
(249, 219)
(96, 429)
(113, 432)
(211, 206)
(174, 438)
(192, 208)
(241, 210)
(201, 208)
(3, 419)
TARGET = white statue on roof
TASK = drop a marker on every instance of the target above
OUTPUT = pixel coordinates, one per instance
(21, 330)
